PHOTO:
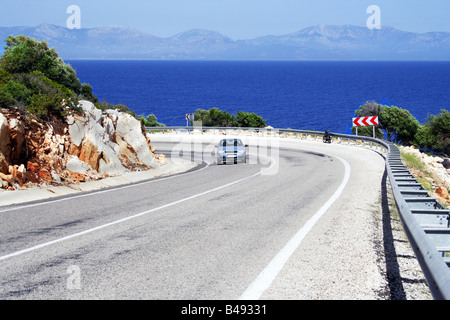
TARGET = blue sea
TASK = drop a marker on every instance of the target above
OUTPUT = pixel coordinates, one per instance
(308, 95)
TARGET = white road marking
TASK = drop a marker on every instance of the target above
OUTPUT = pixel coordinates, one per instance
(78, 234)
(270, 272)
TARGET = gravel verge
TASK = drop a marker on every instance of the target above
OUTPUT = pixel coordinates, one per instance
(406, 280)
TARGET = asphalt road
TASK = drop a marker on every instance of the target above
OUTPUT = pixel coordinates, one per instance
(249, 231)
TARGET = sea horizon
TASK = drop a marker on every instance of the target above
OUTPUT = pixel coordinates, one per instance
(308, 94)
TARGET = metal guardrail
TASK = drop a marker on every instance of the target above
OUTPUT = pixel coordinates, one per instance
(426, 222)
(262, 132)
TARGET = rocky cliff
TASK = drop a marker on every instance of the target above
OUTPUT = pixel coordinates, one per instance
(89, 146)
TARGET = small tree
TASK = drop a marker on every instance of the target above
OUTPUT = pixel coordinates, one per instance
(435, 133)
(25, 55)
(150, 121)
(86, 93)
(215, 117)
(400, 125)
(370, 109)
(252, 120)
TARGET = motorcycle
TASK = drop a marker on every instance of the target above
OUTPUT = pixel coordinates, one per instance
(327, 137)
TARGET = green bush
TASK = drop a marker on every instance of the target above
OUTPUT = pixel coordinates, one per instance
(6, 98)
(39, 95)
(105, 105)
(401, 127)
(250, 120)
(150, 121)
(86, 93)
(42, 104)
(34, 78)
(19, 91)
(434, 134)
(399, 124)
(215, 117)
(5, 76)
(25, 55)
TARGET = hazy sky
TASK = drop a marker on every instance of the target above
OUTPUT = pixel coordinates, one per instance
(238, 19)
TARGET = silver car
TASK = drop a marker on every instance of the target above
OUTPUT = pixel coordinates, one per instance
(231, 150)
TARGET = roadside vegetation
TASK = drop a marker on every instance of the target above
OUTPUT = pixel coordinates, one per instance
(150, 121)
(34, 80)
(415, 165)
(400, 126)
(215, 117)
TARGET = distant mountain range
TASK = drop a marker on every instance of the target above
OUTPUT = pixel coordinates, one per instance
(322, 42)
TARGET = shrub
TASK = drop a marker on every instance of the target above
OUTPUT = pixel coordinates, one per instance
(434, 135)
(25, 55)
(42, 96)
(252, 120)
(215, 117)
(34, 78)
(105, 105)
(150, 121)
(19, 91)
(86, 93)
(401, 127)
(399, 124)
(6, 98)
(5, 76)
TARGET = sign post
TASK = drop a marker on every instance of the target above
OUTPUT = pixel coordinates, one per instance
(189, 116)
(366, 121)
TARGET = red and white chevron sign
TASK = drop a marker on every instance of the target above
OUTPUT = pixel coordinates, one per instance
(365, 121)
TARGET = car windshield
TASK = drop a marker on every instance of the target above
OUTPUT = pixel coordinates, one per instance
(230, 142)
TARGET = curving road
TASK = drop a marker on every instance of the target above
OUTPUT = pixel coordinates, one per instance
(299, 221)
